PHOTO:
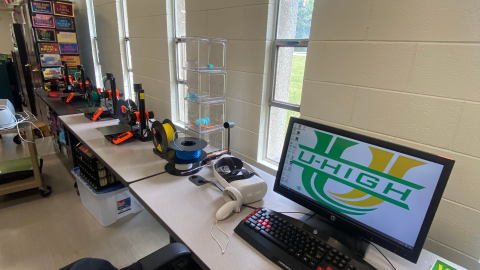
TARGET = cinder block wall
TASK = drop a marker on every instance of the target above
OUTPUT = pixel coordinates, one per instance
(406, 72)
(106, 13)
(82, 27)
(247, 27)
(149, 42)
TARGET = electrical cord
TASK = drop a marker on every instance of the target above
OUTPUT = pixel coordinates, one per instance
(384, 256)
(22, 119)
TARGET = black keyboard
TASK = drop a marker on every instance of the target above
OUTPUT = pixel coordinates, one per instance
(292, 244)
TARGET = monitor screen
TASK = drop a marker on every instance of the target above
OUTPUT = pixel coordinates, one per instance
(383, 190)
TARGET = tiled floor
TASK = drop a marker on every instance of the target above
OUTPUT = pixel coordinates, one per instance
(48, 233)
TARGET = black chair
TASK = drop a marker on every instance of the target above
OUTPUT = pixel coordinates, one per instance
(174, 256)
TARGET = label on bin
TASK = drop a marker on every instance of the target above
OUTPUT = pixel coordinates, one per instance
(124, 205)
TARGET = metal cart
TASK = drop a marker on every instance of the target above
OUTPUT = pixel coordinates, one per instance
(34, 181)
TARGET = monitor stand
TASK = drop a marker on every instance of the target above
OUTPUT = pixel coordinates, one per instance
(356, 244)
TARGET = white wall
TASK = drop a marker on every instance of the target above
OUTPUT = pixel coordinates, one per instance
(106, 18)
(6, 44)
(149, 21)
(248, 30)
(82, 27)
(406, 72)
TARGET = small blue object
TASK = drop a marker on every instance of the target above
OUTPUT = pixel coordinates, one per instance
(209, 66)
(193, 96)
(188, 155)
(202, 121)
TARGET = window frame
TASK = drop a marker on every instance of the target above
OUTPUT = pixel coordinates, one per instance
(128, 57)
(94, 42)
(276, 45)
(178, 81)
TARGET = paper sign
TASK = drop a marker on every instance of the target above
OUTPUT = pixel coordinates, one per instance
(64, 9)
(47, 48)
(72, 60)
(50, 60)
(42, 20)
(66, 37)
(41, 7)
(52, 73)
(68, 48)
(45, 35)
(439, 265)
(64, 23)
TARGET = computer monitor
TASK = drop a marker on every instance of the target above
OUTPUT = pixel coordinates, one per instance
(379, 191)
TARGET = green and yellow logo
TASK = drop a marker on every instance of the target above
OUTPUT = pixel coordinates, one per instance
(370, 185)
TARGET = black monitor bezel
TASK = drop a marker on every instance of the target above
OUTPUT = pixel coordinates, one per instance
(341, 221)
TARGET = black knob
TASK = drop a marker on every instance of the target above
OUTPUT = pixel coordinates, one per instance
(228, 124)
(137, 86)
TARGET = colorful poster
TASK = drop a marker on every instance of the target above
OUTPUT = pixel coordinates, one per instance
(47, 48)
(64, 23)
(68, 48)
(72, 71)
(41, 7)
(72, 60)
(50, 60)
(52, 73)
(64, 9)
(42, 20)
(66, 37)
(45, 35)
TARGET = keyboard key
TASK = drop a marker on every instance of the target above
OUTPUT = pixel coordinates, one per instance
(340, 254)
(275, 241)
(252, 225)
(327, 246)
(307, 255)
(328, 259)
(311, 264)
(334, 262)
(257, 229)
(322, 244)
(346, 258)
(343, 261)
(351, 267)
(304, 260)
(337, 258)
(263, 227)
(341, 265)
(298, 255)
(291, 251)
(319, 256)
(334, 251)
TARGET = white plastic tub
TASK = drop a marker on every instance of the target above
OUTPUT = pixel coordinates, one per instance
(106, 206)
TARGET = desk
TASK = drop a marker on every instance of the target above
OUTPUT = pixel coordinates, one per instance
(60, 107)
(187, 212)
(130, 161)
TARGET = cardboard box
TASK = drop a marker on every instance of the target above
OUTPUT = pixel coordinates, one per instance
(36, 133)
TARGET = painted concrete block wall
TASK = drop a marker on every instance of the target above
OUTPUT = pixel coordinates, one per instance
(149, 43)
(109, 39)
(406, 72)
(6, 44)
(85, 49)
(247, 27)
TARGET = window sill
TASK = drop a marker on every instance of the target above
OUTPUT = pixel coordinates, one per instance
(269, 166)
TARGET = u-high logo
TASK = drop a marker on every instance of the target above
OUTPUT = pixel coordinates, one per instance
(371, 186)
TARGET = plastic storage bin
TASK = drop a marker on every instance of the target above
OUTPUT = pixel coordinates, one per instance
(204, 117)
(108, 205)
(205, 53)
(206, 86)
(216, 139)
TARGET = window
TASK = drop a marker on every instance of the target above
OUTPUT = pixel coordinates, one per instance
(294, 19)
(180, 30)
(126, 57)
(94, 43)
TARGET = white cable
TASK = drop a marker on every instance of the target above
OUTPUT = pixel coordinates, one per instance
(18, 121)
(218, 243)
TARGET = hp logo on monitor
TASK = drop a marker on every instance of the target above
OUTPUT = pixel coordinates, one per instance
(333, 218)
